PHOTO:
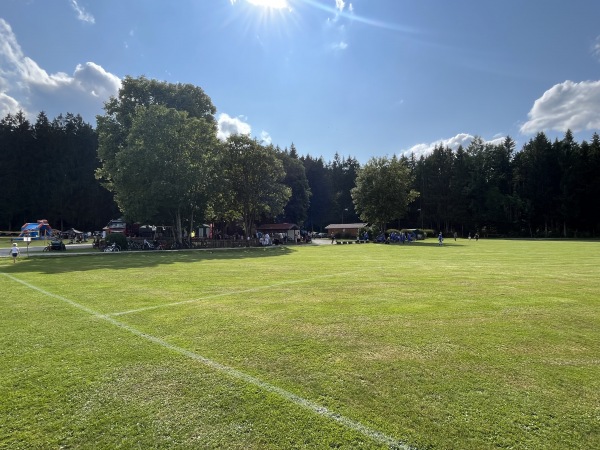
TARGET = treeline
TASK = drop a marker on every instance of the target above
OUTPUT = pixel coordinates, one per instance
(545, 189)
(47, 172)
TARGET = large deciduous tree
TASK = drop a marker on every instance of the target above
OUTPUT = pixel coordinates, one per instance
(156, 144)
(252, 178)
(166, 168)
(383, 190)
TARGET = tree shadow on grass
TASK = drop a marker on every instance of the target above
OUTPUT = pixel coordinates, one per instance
(429, 243)
(65, 263)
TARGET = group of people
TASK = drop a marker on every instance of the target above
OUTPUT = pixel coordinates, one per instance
(264, 239)
(403, 238)
(441, 237)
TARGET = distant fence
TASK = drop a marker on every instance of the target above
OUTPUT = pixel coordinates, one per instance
(10, 233)
(200, 243)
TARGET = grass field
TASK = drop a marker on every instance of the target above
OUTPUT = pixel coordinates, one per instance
(6, 243)
(473, 345)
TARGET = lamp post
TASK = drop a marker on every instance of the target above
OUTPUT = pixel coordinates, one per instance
(345, 209)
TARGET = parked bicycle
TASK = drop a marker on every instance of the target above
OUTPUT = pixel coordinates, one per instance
(133, 245)
(180, 245)
(112, 248)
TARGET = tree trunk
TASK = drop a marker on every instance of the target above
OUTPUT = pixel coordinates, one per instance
(178, 233)
(191, 226)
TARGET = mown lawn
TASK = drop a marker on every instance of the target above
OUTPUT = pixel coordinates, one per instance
(474, 345)
(6, 243)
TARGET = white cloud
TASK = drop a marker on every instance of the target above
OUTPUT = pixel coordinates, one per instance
(339, 45)
(82, 14)
(25, 85)
(452, 143)
(566, 106)
(94, 80)
(265, 138)
(596, 48)
(338, 28)
(228, 126)
(340, 6)
(8, 105)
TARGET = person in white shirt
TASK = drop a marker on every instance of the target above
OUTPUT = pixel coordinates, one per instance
(14, 252)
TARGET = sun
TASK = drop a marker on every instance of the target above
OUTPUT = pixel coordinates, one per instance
(275, 4)
(263, 18)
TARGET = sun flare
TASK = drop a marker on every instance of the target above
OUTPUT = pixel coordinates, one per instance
(275, 4)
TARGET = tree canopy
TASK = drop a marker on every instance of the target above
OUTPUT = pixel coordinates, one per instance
(47, 172)
(252, 178)
(383, 190)
(296, 209)
(167, 167)
(157, 146)
(155, 149)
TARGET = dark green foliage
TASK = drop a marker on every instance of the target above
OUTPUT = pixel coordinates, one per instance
(321, 188)
(118, 239)
(383, 191)
(157, 145)
(252, 181)
(343, 179)
(296, 210)
(546, 189)
(47, 172)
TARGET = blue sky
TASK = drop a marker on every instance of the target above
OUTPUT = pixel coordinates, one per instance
(362, 78)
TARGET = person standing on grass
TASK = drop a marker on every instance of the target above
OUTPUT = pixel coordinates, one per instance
(14, 252)
(440, 238)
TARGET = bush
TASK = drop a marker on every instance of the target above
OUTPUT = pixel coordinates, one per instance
(117, 238)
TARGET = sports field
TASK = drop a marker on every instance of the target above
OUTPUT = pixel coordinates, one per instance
(473, 345)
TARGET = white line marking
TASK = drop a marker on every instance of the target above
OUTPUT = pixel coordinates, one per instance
(366, 431)
(225, 294)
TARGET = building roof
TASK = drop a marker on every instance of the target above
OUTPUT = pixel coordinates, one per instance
(347, 226)
(277, 227)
